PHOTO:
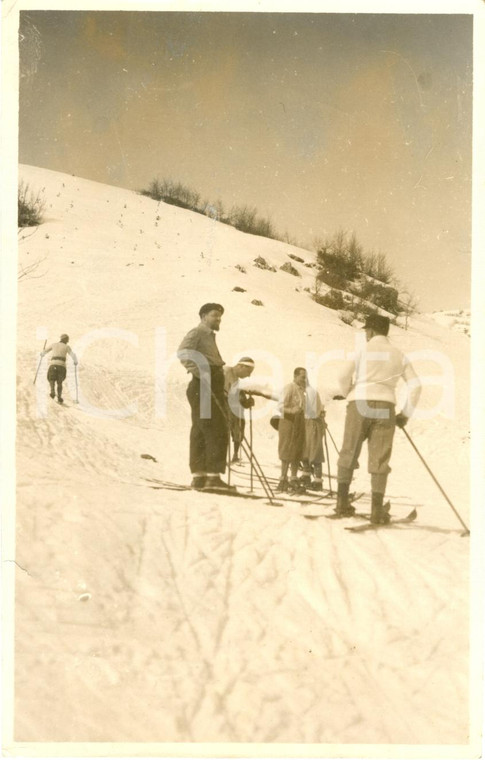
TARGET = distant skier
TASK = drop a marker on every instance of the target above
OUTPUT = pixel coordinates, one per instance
(56, 374)
(209, 434)
(291, 430)
(238, 400)
(369, 383)
(313, 456)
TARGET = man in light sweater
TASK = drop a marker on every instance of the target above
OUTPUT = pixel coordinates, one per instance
(369, 384)
(57, 366)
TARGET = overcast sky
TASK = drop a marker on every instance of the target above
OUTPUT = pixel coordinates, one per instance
(322, 121)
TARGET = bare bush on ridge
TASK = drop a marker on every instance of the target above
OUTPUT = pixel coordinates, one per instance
(31, 206)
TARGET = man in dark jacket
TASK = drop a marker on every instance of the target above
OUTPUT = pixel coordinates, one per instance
(209, 434)
(56, 374)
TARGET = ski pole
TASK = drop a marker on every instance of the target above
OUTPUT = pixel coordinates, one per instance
(328, 458)
(229, 458)
(251, 446)
(467, 531)
(40, 362)
(75, 376)
(249, 453)
(331, 438)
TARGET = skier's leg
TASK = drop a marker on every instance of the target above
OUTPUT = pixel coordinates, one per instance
(354, 436)
(60, 376)
(293, 484)
(237, 434)
(379, 512)
(197, 460)
(317, 483)
(51, 377)
(283, 484)
(381, 436)
(355, 433)
(216, 436)
(306, 477)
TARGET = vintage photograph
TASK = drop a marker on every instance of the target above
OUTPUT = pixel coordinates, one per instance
(239, 518)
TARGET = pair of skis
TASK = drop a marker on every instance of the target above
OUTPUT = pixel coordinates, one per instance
(274, 501)
(167, 485)
(374, 526)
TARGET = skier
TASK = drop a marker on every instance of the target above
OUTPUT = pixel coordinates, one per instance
(369, 382)
(237, 400)
(313, 456)
(56, 374)
(291, 431)
(209, 434)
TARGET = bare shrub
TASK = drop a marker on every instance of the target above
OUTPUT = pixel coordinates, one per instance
(246, 219)
(31, 206)
(334, 299)
(376, 265)
(333, 279)
(174, 193)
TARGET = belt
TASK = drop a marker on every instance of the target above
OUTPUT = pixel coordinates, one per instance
(58, 358)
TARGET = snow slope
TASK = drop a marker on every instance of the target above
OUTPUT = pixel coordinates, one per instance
(167, 616)
(459, 319)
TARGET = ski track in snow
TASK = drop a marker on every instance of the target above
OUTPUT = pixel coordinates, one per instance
(236, 621)
(170, 616)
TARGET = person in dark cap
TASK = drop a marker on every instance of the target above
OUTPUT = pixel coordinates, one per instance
(56, 374)
(238, 400)
(209, 434)
(369, 384)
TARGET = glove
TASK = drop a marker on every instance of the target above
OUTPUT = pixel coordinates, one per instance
(249, 403)
(75, 364)
(401, 420)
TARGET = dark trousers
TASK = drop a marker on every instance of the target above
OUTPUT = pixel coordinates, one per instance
(208, 437)
(56, 374)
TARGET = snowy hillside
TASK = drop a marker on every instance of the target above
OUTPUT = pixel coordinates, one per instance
(458, 319)
(147, 615)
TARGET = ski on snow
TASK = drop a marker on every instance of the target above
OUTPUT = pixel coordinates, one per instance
(376, 526)
(274, 499)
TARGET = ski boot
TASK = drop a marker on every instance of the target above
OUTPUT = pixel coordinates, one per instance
(295, 486)
(315, 485)
(198, 482)
(282, 486)
(305, 480)
(343, 507)
(215, 482)
(379, 511)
